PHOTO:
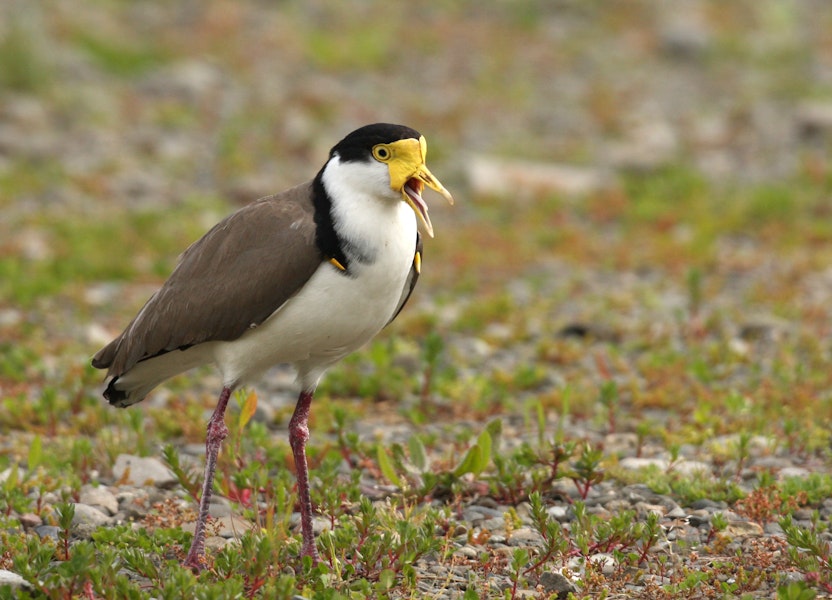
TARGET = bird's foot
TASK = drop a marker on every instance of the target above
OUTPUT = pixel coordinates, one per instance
(311, 551)
(195, 561)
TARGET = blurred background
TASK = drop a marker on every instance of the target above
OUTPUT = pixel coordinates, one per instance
(662, 137)
(111, 105)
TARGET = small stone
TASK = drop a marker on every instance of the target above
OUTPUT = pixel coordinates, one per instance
(225, 527)
(4, 475)
(729, 443)
(491, 176)
(803, 514)
(134, 503)
(705, 503)
(99, 497)
(634, 463)
(790, 472)
(691, 467)
(685, 37)
(773, 529)
(13, 581)
(771, 462)
(10, 317)
(525, 536)
(555, 583)
(141, 471)
(491, 512)
(48, 531)
(607, 562)
(647, 146)
(737, 529)
(473, 516)
(188, 80)
(621, 443)
(214, 543)
(814, 119)
(87, 519)
(467, 551)
(495, 524)
(321, 524)
(30, 520)
(558, 512)
(762, 328)
(645, 509)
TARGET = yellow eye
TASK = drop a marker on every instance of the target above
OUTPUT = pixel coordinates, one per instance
(381, 152)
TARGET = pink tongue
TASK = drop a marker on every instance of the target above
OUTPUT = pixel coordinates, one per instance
(412, 189)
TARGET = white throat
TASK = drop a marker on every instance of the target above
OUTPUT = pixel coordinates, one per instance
(365, 210)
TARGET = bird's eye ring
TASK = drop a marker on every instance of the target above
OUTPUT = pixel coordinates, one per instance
(381, 152)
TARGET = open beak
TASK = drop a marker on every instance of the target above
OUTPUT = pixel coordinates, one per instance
(409, 175)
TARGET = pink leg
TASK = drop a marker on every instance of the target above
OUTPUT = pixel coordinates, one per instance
(217, 431)
(298, 435)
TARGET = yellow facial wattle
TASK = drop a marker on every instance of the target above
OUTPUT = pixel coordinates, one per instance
(409, 174)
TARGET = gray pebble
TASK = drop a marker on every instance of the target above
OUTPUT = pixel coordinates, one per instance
(555, 583)
(142, 471)
(99, 497)
(13, 581)
(525, 536)
(559, 512)
(87, 519)
(48, 531)
(467, 551)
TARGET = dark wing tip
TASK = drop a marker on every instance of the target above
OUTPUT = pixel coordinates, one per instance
(103, 359)
(119, 398)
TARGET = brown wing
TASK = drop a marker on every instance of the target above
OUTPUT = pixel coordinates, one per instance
(233, 278)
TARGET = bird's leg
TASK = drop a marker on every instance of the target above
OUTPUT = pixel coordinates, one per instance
(217, 432)
(298, 434)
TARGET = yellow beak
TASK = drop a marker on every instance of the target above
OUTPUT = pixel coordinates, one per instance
(409, 175)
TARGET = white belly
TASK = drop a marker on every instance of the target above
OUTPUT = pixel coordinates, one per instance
(333, 315)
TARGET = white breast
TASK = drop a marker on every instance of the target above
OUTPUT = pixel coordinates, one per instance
(334, 313)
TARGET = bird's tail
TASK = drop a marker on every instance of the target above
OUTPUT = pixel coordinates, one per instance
(123, 397)
(132, 386)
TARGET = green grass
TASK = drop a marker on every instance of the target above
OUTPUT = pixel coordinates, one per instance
(23, 65)
(108, 247)
(124, 58)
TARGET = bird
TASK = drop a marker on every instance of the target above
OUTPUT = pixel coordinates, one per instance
(303, 277)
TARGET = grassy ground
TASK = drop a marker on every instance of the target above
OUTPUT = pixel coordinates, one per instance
(685, 314)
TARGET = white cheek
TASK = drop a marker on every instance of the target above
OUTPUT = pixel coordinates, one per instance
(370, 178)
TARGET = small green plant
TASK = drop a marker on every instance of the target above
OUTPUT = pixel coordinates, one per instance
(586, 471)
(608, 396)
(23, 67)
(379, 544)
(519, 560)
(412, 470)
(556, 542)
(719, 523)
(809, 552)
(188, 479)
(795, 591)
(434, 345)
